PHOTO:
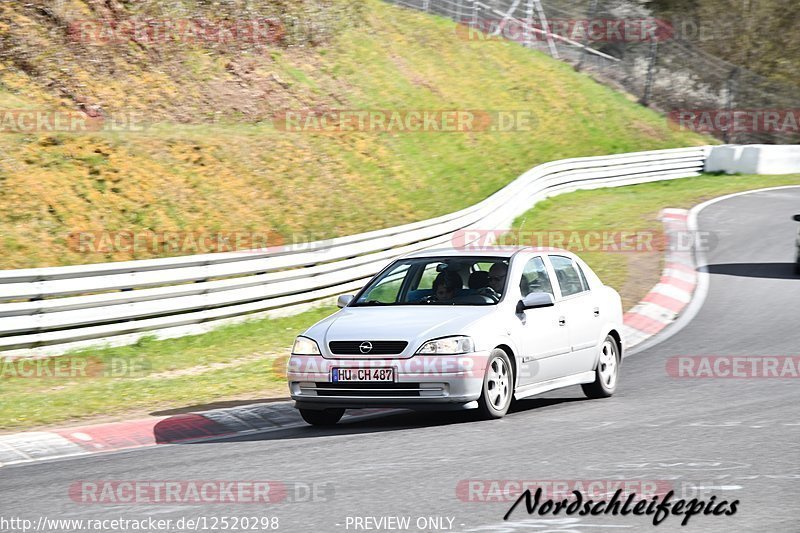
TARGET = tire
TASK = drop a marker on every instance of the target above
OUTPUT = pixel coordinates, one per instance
(326, 417)
(607, 371)
(498, 386)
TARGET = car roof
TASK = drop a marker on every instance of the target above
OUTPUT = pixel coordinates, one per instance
(483, 251)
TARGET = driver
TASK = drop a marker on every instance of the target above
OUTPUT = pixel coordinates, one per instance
(446, 285)
(497, 277)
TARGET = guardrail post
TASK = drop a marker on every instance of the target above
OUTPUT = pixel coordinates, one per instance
(426, 6)
(730, 90)
(648, 86)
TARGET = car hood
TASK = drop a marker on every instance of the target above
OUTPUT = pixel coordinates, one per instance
(414, 324)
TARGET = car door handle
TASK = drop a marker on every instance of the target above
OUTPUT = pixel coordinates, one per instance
(562, 321)
(596, 311)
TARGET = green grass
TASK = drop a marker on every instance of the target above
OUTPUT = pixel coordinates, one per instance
(238, 172)
(28, 403)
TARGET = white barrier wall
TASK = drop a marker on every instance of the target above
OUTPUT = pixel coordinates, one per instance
(754, 159)
(46, 311)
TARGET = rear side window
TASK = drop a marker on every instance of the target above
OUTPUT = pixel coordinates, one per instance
(570, 278)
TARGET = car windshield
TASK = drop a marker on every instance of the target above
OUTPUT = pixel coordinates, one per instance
(438, 281)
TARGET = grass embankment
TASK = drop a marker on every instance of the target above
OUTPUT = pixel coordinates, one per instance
(212, 160)
(243, 362)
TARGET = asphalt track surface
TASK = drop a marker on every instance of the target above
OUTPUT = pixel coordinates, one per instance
(737, 439)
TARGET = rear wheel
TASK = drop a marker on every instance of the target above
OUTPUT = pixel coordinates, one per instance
(606, 373)
(325, 417)
(498, 385)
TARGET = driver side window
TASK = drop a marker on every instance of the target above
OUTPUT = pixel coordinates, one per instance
(535, 278)
(428, 275)
(386, 291)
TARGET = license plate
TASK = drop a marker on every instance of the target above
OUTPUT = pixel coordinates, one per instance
(340, 375)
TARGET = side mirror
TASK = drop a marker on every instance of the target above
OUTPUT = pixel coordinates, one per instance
(534, 300)
(344, 300)
(796, 218)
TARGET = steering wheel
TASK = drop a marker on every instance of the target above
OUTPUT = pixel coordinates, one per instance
(490, 292)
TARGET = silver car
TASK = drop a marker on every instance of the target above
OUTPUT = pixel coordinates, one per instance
(458, 329)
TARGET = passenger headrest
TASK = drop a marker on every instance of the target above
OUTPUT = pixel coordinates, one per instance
(478, 279)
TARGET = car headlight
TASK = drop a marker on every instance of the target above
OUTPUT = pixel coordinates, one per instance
(305, 346)
(448, 346)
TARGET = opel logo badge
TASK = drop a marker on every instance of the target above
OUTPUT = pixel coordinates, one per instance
(365, 347)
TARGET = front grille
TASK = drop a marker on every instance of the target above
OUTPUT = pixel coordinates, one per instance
(368, 389)
(378, 347)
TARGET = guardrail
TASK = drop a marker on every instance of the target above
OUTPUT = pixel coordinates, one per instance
(754, 159)
(46, 311)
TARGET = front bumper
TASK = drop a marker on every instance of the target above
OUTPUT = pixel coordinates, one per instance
(420, 382)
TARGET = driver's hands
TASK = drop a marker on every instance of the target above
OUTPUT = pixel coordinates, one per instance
(490, 292)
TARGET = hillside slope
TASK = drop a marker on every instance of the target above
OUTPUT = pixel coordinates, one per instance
(211, 159)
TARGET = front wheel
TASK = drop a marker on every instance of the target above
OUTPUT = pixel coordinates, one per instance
(606, 373)
(326, 417)
(498, 385)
